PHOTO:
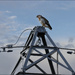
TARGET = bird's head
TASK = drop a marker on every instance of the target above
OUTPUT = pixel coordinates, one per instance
(39, 16)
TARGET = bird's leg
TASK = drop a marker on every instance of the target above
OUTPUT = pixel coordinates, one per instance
(44, 25)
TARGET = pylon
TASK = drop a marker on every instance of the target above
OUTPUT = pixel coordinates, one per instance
(31, 45)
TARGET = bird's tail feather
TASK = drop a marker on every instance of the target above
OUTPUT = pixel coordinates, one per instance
(50, 27)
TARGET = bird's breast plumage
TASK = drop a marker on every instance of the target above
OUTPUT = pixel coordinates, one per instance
(42, 20)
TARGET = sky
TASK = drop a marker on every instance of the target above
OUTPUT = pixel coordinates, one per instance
(16, 16)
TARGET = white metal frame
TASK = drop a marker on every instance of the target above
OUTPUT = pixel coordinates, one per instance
(36, 30)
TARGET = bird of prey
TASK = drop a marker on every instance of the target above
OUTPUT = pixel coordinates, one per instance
(44, 21)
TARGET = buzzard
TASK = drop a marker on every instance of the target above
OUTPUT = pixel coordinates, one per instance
(44, 21)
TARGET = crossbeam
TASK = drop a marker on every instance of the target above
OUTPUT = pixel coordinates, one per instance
(40, 47)
(30, 46)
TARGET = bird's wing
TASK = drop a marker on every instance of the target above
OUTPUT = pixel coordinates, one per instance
(46, 21)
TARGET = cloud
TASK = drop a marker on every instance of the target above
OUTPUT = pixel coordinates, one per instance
(12, 17)
(69, 46)
(14, 39)
(58, 44)
(66, 43)
(7, 26)
(8, 11)
(5, 12)
(8, 61)
(71, 40)
(13, 57)
(6, 20)
(3, 29)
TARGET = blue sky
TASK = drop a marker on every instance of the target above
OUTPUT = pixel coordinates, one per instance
(15, 16)
(22, 14)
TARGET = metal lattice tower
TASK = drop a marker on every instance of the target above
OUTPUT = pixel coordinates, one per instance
(30, 46)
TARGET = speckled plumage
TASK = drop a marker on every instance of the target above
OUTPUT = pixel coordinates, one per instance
(44, 22)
